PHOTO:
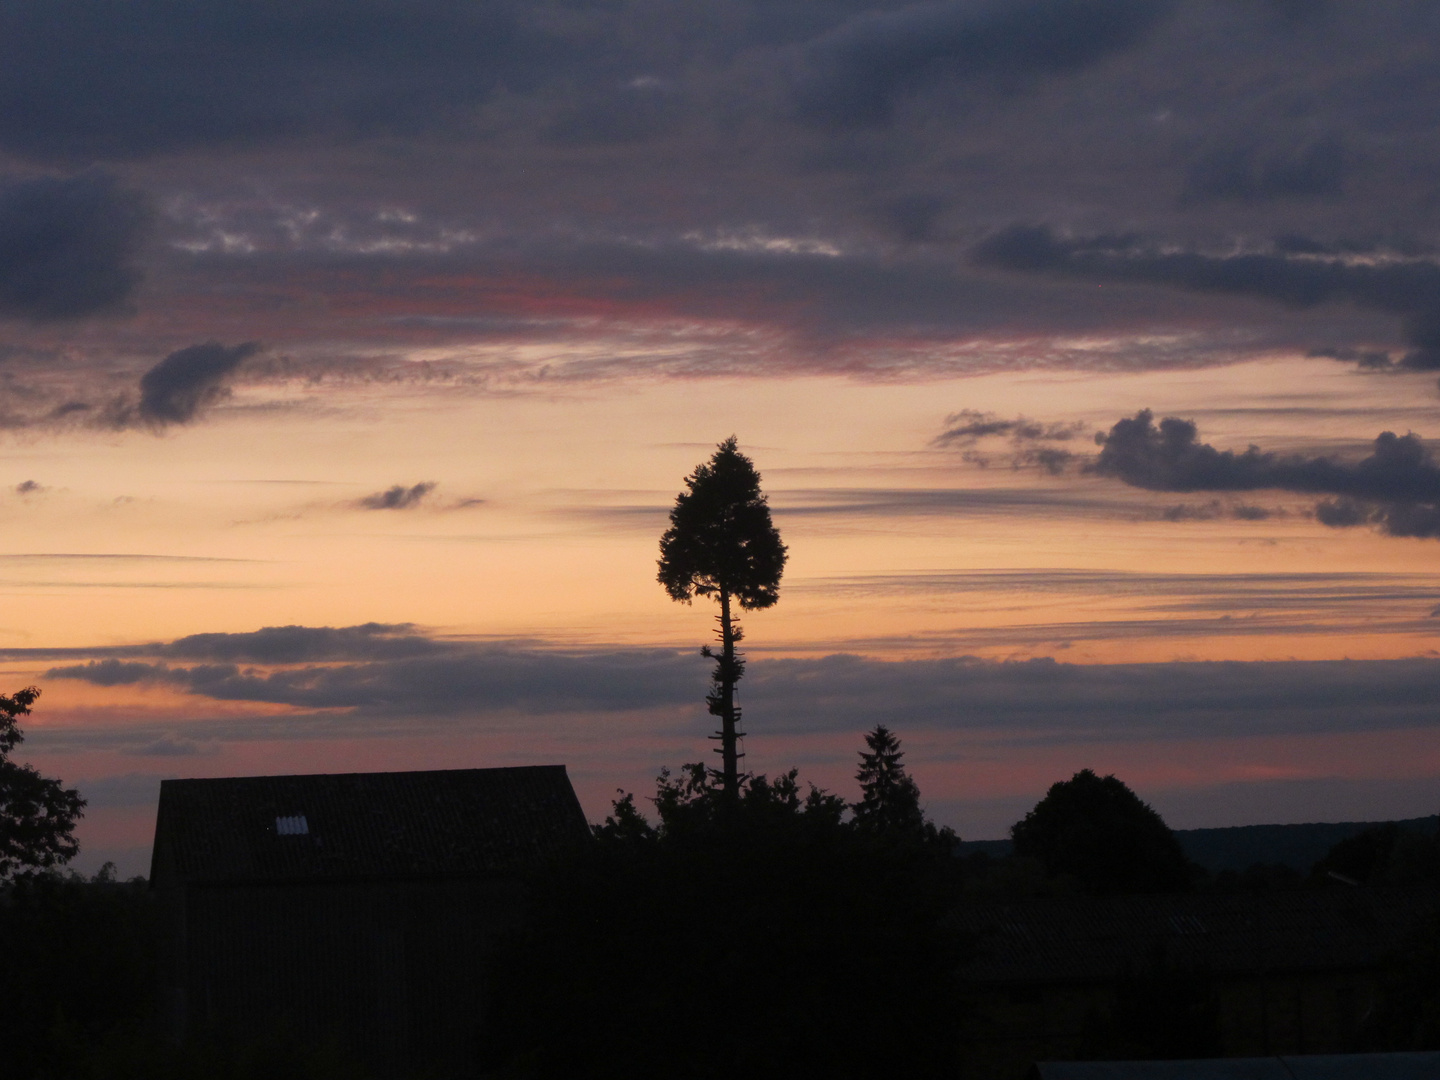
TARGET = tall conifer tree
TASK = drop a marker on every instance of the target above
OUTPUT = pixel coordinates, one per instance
(722, 543)
(890, 798)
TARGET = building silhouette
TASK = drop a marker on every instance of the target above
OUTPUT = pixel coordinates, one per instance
(356, 908)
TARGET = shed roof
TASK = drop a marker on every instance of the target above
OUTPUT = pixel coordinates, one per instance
(453, 822)
(1080, 939)
(1416, 1066)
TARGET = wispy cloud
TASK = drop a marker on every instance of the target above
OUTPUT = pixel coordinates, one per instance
(398, 497)
(1298, 274)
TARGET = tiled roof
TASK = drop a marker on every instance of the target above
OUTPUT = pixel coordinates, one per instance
(349, 825)
(1082, 939)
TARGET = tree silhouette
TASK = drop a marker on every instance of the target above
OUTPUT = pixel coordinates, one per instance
(890, 798)
(1096, 830)
(37, 815)
(721, 543)
(788, 941)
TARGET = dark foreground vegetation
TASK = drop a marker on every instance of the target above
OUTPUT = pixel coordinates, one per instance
(79, 976)
(769, 939)
(786, 933)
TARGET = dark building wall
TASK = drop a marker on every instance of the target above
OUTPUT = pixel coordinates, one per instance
(394, 971)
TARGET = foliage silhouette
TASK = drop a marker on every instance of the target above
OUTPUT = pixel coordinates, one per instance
(890, 798)
(760, 937)
(1385, 854)
(721, 543)
(37, 815)
(79, 976)
(79, 963)
(1096, 831)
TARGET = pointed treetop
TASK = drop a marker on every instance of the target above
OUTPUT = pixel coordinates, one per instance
(890, 798)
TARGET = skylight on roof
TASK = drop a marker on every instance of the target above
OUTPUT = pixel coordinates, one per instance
(292, 826)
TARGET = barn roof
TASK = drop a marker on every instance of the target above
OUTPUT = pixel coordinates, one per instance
(1078, 939)
(361, 825)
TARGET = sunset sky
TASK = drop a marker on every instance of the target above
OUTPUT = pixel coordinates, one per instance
(352, 354)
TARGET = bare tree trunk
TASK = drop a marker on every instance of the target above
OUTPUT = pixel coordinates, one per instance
(728, 668)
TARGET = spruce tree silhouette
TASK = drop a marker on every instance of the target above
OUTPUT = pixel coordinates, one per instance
(889, 799)
(721, 543)
(37, 815)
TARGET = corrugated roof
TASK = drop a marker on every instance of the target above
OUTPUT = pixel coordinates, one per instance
(399, 824)
(1418, 1066)
(1081, 939)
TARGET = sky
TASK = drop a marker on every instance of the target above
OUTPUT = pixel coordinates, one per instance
(352, 355)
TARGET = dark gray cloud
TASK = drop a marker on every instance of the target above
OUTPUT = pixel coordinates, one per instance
(1018, 701)
(1045, 700)
(1169, 457)
(637, 164)
(473, 679)
(825, 307)
(78, 81)
(189, 380)
(1179, 606)
(1365, 359)
(68, 245)
(855, 73)
(29, 487)
(268, 645)
(398, 497)
(1215, 509)
(81, 80)
(1029, 439)
(1252, 174)
(110, 672)
(169, 745)
(617, 115)
(1378, 280)
(969, 425)
(304, 644)
(1396, 487)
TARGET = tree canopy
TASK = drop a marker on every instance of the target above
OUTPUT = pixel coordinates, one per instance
(721, 539)
(1098, 832)
(722, 543)
(37, 815)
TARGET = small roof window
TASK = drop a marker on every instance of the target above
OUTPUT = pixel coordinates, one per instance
(295, 825)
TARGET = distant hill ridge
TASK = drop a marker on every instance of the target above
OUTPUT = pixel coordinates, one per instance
(1240, 846)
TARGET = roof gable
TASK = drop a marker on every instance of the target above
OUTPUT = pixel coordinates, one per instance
(453, 822)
